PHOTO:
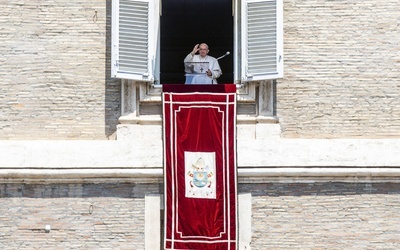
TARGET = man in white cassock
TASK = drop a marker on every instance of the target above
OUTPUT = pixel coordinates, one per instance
(201, 68)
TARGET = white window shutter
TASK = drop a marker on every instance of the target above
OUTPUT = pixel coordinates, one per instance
(135, 29)
(261, 40)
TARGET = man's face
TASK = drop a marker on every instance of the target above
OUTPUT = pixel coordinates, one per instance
(203, 50)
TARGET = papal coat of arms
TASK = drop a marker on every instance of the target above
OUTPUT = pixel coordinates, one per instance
(200, 175)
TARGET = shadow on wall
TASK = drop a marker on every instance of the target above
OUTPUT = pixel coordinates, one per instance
(319, 189)
(120, 190)
(132, 190)
(112, 109)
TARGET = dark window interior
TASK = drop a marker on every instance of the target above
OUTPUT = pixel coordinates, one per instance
(184, 23)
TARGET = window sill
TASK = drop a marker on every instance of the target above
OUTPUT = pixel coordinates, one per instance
(142, 103)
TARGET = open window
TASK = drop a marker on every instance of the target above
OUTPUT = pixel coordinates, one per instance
(258, 39)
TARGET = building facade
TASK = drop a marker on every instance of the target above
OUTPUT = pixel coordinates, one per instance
(81, 163)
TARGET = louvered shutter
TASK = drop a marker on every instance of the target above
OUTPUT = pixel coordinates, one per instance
(261, 40)
(135, 29)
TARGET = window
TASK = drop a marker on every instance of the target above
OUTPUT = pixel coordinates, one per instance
(261, 40)
(135, 25)
(258, 45)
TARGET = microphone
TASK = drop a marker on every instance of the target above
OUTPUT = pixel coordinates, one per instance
(227, 53)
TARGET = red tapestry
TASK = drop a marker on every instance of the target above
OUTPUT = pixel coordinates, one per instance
(199, 123)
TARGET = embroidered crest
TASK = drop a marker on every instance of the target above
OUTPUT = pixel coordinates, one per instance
(200, 179)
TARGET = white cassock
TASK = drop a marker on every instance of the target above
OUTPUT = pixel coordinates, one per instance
(197, 66)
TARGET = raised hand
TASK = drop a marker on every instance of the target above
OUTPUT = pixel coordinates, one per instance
(195, 49)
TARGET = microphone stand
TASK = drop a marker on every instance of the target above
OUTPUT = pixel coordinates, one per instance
(227, 53)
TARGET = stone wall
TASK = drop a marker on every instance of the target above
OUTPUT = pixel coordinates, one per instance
(81, 216)
(55, 69)
(341, 81)
(319, 215)
(342, 61)
(326, 215)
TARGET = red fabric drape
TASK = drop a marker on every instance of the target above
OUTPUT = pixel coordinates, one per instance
(199, 125)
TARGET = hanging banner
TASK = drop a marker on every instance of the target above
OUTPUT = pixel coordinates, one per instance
(199, 126)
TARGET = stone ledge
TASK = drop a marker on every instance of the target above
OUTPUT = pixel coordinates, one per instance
(336, 153)
(142, 120)
(157, 119)
(155, 175)
(244, 119)
(143, 149)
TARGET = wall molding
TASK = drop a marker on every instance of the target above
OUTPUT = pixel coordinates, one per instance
(155, 175)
